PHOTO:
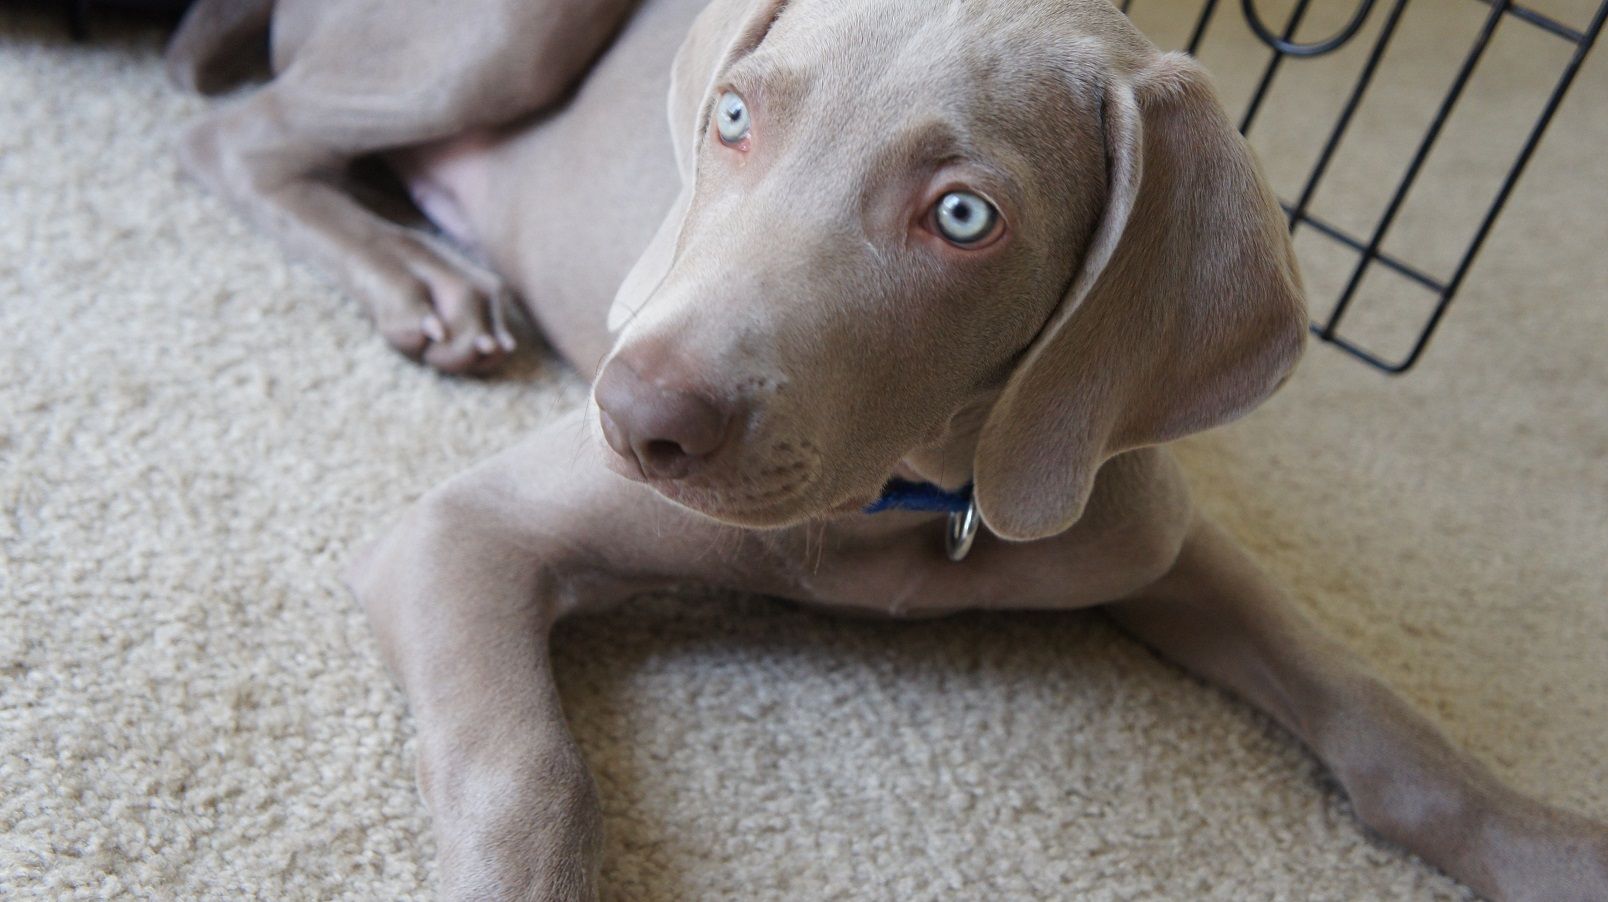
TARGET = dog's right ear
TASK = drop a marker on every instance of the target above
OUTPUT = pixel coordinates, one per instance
(725, 31)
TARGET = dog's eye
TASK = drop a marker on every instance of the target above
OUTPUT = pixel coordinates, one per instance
(731, 118)
(965, 219)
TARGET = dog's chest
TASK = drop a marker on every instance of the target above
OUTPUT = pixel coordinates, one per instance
(907, 574)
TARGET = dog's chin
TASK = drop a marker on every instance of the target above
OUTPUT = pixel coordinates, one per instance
(779, 509)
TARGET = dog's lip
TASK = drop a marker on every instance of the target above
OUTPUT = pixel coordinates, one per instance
(857, 502)
(703, 496)
(780, 510)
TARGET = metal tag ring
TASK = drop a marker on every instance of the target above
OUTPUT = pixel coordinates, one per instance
(961, 533)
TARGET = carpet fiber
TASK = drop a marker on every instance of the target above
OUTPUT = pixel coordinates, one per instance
(194, 435)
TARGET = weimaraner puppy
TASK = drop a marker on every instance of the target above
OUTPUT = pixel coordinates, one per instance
(973, 262)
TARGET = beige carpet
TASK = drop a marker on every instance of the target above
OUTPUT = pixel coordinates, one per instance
(194, 435)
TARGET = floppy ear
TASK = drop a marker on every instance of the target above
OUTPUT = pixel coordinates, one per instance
(725, 30)
(1186, 313)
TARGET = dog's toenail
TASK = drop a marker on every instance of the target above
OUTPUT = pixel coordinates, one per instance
(485, 344)
(433, 329)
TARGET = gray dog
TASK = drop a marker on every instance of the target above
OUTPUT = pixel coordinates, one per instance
(972, 262)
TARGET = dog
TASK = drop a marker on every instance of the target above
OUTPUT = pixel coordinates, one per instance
(971, 263)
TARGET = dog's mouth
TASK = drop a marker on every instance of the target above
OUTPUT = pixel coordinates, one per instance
(761, 506)
(799, 496)
(772, 483)
(772, 505)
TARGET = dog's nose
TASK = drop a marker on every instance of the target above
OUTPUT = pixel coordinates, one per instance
(668, 431)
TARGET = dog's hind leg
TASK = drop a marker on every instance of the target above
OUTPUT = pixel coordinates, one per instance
(1219, 616)
(363, 76)
(219, 44)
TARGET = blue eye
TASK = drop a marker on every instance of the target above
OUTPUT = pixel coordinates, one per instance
(731, 117)
(963, 218)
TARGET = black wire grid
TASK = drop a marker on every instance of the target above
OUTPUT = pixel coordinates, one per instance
(1369, 249)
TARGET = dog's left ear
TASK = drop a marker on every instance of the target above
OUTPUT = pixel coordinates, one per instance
(1186, 313)
(724, 31)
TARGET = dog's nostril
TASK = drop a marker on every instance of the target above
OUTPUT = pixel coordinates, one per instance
(663, 452)
(667, 431)
(674, 452)
(675, 437)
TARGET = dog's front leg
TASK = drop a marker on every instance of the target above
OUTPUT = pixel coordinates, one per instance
(463, 614)
(1219, 616)
(462, 594)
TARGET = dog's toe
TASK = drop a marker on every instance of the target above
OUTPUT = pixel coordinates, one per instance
(444, 312)
(403, 315)
(471, 325)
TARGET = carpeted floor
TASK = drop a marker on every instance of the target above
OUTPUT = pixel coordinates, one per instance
(194, 435)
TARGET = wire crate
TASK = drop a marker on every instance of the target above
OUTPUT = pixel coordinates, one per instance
(1285, 45)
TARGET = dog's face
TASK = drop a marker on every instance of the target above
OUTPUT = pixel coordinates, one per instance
(895, 219)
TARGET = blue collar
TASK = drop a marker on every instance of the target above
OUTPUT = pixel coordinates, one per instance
(904, 495)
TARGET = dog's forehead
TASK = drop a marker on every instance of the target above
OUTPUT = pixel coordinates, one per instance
(997, 72)
(920, 41)
(967, 27)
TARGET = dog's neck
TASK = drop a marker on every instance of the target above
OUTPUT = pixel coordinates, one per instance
(946, 461)
(928, 480)
(904, 495)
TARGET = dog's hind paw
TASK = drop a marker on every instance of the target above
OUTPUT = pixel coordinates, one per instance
(436, 307)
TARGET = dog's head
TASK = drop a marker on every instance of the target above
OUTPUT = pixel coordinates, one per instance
(998, 242)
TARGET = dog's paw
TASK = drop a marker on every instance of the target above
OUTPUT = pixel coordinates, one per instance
(436, 307)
